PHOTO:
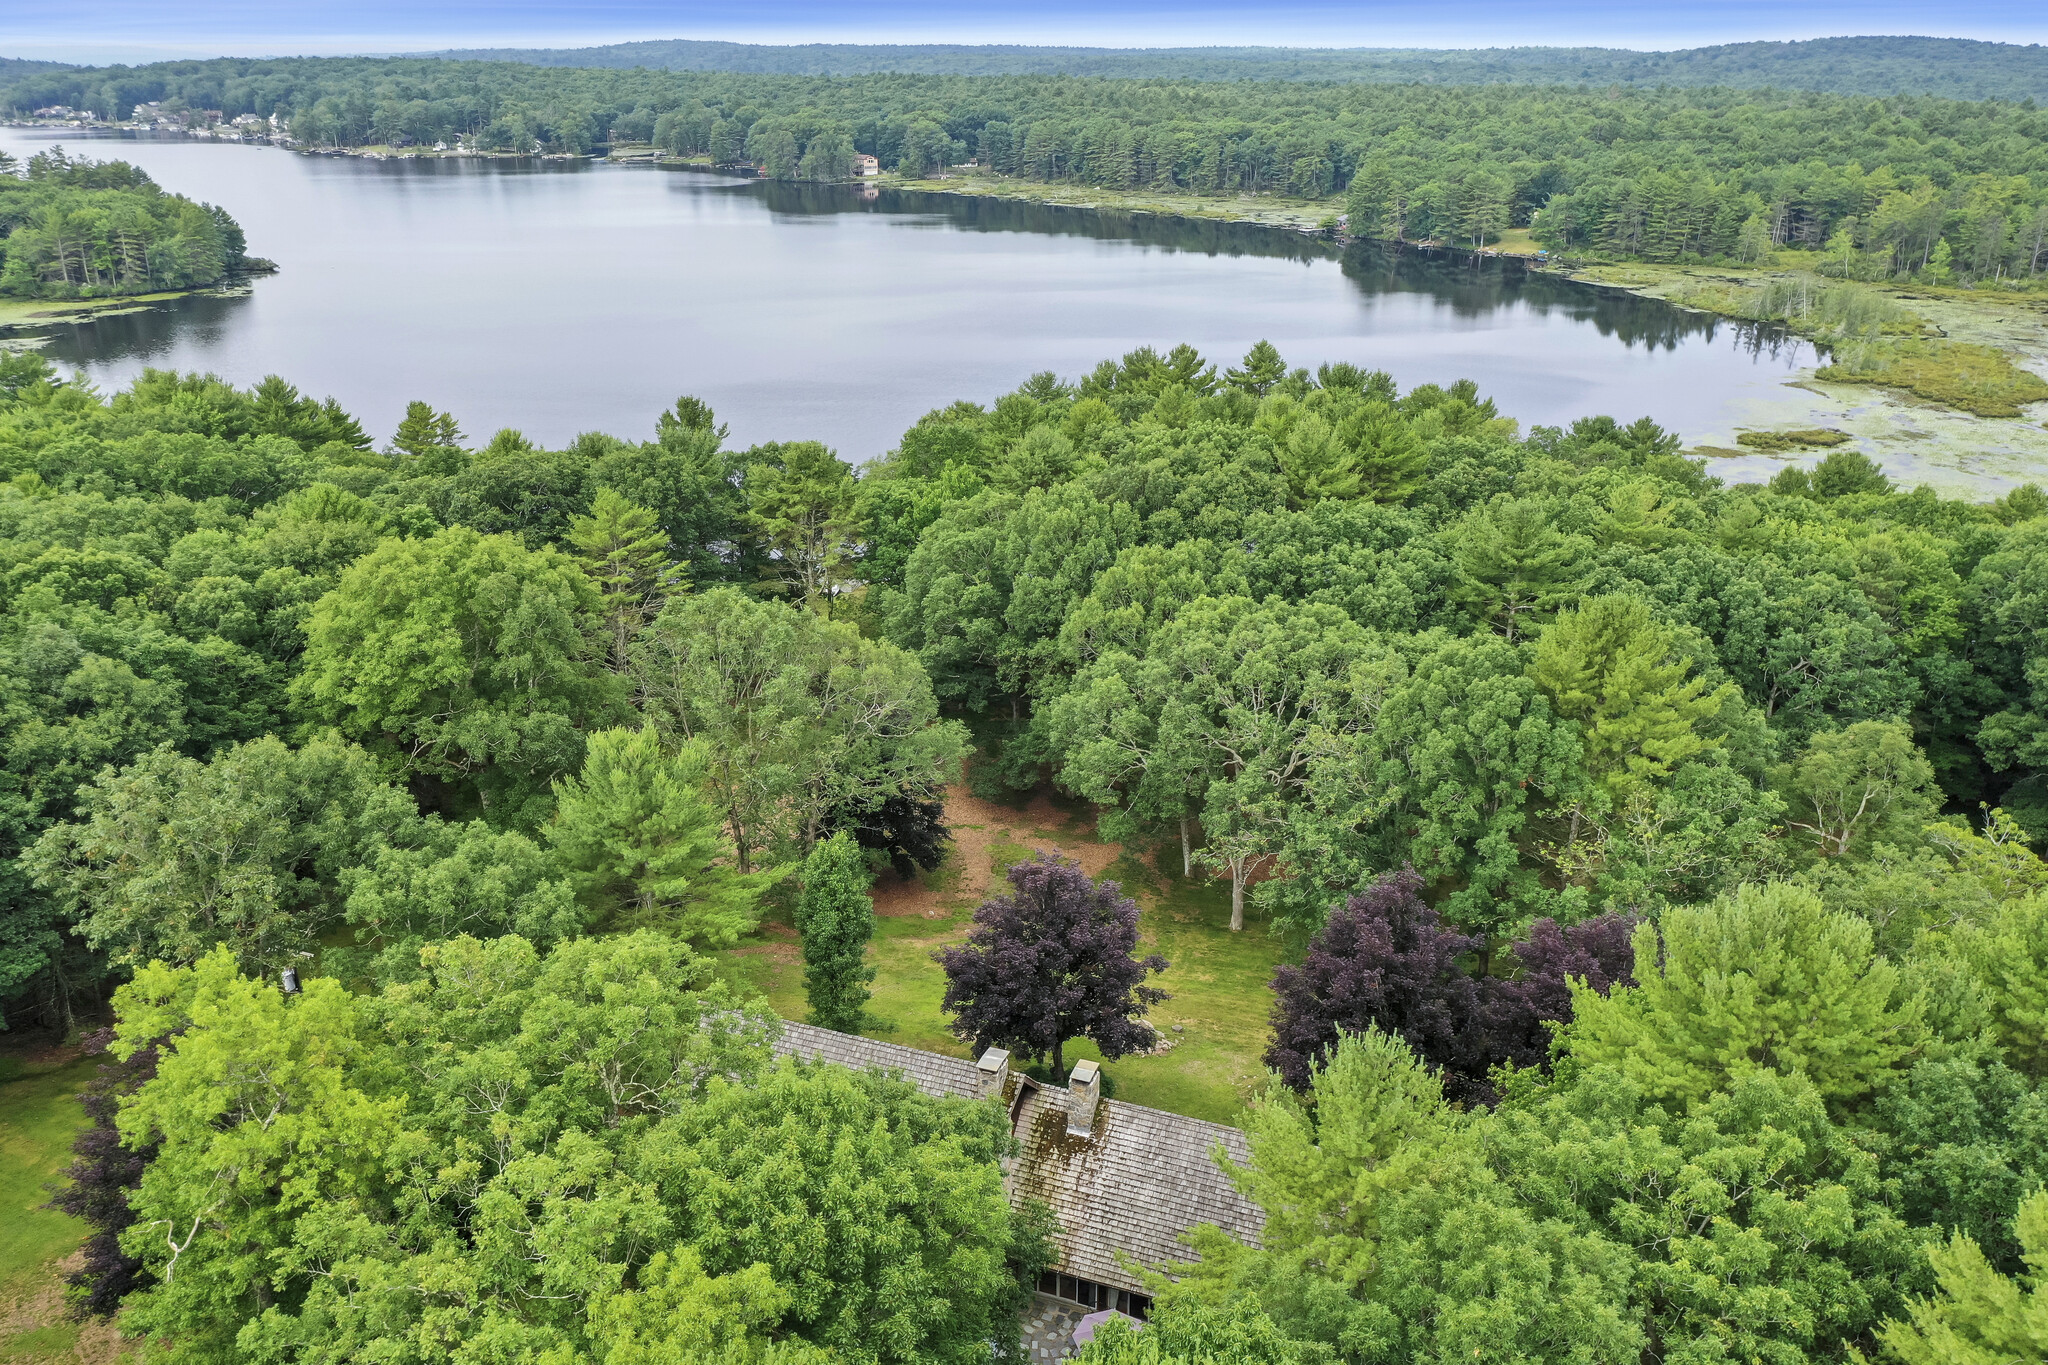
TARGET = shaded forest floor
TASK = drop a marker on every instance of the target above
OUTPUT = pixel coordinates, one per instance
(1214, 1028)
(39, 1117)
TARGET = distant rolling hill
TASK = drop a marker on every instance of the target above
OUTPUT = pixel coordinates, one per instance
(21, 66)
(1955, 67)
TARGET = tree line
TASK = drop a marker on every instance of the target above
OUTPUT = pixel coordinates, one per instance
(1652, 173)
(1957, 68)
(72, 228)
(1656, 856)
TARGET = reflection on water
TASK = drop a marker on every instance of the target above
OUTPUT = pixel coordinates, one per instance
(202, 320)
(563, 297)
(1470, 285)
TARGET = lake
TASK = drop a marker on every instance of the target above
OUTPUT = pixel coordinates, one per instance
(564, 297)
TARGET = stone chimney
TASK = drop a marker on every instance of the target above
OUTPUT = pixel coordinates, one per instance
(1084, 1097)
(994, 1067)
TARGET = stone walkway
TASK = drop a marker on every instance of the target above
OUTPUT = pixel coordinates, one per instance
(1049, 1329)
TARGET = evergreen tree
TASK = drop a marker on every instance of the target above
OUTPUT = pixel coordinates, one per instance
(1764, 980)
(836, 918)
(1514, 567)
(1391, 460)
(1316, 463)
(1368, 199)
(625, 554)
(1263, 370)
(645, 848)
(1981, 1317)
(1608, 666)
(429, 437)
(2011, 961)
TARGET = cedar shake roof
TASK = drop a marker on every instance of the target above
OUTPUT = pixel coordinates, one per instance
(931, 1072)
(1139, 1180)
(1129, 1189)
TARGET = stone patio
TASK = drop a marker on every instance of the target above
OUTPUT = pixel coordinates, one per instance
(1049, 1329)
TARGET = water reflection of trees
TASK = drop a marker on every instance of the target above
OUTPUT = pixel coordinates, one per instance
(145, 332)
(974, 214)
(1471, 286)
(1474, 286)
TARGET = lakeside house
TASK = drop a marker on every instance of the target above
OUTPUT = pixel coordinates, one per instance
(1125, 1181)
(865, 165)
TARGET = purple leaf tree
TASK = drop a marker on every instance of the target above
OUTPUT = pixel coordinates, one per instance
(103, 1172)
(1517, 1007)
(1052, 959)
(1384, 958)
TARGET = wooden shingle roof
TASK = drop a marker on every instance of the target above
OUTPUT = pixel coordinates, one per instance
(1128, 1190)
(932, 1072)
(1139, 1180)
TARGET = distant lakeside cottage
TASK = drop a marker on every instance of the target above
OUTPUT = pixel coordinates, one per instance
(1124, 1181)
(865, 165)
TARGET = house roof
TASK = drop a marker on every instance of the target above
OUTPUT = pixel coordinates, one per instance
(932, 1072)
(1128, 1190)
(1139, 1180)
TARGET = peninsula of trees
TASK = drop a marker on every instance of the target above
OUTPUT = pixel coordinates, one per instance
(80, 229)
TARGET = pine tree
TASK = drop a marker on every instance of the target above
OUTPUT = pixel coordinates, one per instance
(643, 846)
(1316, 463)
(1610, 667)
(1263, 369)
(1767, 979)
(626, 555)
(1367, 200)
(430, 437)
(836, 919)
(1515, 568)
(1981, 1317)
(1391, 460)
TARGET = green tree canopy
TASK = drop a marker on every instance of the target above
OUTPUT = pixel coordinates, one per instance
(801, 718)
(172, 858)
(1981, 1317)
(835, 919)
(643, 846)
(463, 660)
(1766, 979)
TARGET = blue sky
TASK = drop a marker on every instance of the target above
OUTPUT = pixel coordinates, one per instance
(101, 30)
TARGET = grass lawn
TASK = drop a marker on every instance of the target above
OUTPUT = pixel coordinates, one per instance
(39, 1116)
(1218, 979)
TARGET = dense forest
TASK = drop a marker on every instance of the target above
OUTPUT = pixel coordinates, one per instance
(1661, 174)
(80, 229)
(1657, 855)
(1957, 68)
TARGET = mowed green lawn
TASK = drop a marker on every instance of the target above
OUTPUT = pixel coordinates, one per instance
(39, 1117)
(1219, 981)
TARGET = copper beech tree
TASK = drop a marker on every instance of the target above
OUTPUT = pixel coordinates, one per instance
(1053, 958)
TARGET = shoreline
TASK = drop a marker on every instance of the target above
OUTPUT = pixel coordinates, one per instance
(1915, 439)
(19, 318)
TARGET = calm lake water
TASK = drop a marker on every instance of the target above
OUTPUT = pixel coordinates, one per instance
(559, 298)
